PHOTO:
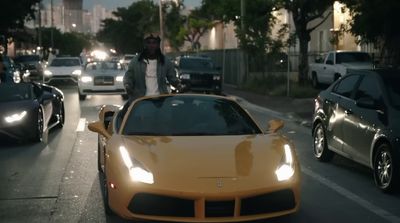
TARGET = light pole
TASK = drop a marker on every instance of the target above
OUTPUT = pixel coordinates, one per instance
(52, 24)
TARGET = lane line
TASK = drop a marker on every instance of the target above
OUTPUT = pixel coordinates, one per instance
(351, 196)
(81, 125)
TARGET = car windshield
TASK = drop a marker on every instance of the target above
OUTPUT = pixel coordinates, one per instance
(196, 64)
(65, 63)
(104, 65)
(392, 87)
(352, 58)
(15, 92)
(27, 58)
(188, 116)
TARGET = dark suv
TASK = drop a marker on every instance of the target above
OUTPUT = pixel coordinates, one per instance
(31, 63)
(199, 74)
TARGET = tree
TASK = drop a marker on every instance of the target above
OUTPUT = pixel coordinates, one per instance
(174, 21)
(13, 16)
(303, 13)
(253, 31)
(376, 22)
(196, 27)
(125, 33)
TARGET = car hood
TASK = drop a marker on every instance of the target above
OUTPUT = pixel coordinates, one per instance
(358, 65)
(182, 162)
(191, 71)
(63, 70)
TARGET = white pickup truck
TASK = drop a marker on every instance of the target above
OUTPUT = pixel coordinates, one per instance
(336, 64)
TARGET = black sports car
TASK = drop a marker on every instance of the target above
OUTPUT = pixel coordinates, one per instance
(28, 110)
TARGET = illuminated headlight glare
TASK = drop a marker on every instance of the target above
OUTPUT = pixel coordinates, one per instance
(48, 73)
(119, 78)
(136, 172)
(77, 72)
(86, 79)
(15, 117)
(285, 170)
(216, 78)
(185, 76)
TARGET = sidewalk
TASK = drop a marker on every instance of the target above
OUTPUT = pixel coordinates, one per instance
(297, 109)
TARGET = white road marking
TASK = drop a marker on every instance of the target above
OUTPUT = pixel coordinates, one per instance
(351, 196)
(81, 125)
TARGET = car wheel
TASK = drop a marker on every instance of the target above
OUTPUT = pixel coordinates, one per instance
(385, 168)
(61, 116)
(314, 81)
(321, 151)
(82, 97)
(39, 126)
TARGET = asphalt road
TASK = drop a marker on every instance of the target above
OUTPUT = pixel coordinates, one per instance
(58, 181)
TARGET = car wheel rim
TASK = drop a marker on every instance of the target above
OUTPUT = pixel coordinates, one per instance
(384, 168)
(319, 141)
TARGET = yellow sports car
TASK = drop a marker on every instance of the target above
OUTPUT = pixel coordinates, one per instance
(194, 158)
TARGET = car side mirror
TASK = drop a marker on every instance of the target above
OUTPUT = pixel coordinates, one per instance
(274, 125)
(99, 127)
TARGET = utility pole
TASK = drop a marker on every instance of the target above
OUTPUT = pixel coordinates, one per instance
(40, 28)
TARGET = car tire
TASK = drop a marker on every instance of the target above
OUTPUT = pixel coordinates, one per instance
(320, 146)
(39, 127)
(385, 168)
(314, 81)
(99, 156)
(82, 97)
(61, 116)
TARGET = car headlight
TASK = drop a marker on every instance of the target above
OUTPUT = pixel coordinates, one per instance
(86, 79)
(119, 78)
(285, 170)
(77, 72)
(48, 73)
(185, 76)
(15, 117)
(136, 171)
(216, 77)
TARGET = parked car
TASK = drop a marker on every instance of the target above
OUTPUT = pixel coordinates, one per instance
(102, 77)
(359, 117)
(28, 110)
(337, 64)
(194, 158)
(63, 68)
(199, 74)
(33, 64)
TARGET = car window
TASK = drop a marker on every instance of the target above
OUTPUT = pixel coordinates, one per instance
(350, 57)
(346, 86)
(65, 62)
(15, 92)
(330, 59)
(181, 116)
(193, 63)
(368, 88)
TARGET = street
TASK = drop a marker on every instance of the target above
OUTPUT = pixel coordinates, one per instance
(59, 181)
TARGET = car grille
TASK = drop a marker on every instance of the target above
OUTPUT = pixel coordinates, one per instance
(151, 204)
(104, 80)
(201, 80)
(159, 205)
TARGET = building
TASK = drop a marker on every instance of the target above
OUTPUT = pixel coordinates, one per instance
(73, 11)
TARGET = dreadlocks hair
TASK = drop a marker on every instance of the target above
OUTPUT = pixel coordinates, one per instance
(143, 55)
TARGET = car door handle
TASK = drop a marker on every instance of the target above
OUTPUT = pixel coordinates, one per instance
(348, 112)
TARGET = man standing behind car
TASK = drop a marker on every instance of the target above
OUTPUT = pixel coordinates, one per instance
(149, 72)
